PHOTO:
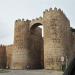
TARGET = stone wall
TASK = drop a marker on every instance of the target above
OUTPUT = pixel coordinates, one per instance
(9, 52)
(72, 52)
(20, 52)
(56, 38)
(32, 51)
(3, 57)
(52, 51)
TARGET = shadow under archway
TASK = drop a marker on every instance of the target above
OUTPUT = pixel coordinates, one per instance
(36, 47)
(35, 25)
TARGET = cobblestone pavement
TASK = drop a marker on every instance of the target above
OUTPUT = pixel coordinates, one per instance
(32, 72)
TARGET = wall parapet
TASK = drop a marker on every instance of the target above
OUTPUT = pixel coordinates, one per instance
(55, 10)
(37, 20)
(19, 21)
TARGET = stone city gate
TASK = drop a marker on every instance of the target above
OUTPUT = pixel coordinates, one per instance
(56, 33)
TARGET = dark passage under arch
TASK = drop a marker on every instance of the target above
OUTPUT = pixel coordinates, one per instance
(36, 47)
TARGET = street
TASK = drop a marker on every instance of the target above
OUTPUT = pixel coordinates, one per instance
(31, 72)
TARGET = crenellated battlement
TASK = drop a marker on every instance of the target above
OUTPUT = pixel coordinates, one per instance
(37, 20)
(40, 18)
(55, 13)
(22, 21)
(53, 10)
(22, 26)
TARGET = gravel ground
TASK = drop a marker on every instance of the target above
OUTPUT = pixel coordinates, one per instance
(31, 72)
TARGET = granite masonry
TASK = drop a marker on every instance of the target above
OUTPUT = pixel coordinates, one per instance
(32, 51)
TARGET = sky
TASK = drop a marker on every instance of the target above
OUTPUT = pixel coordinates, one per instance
(11, 10)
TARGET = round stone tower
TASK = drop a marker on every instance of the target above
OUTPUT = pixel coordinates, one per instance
(56, 38)
(20, 52)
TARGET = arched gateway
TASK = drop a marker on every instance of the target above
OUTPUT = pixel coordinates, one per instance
(37, 40)
(32, 50)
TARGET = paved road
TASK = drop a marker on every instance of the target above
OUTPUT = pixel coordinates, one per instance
(32, 72)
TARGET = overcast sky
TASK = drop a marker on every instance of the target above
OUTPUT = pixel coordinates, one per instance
(10, 10)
